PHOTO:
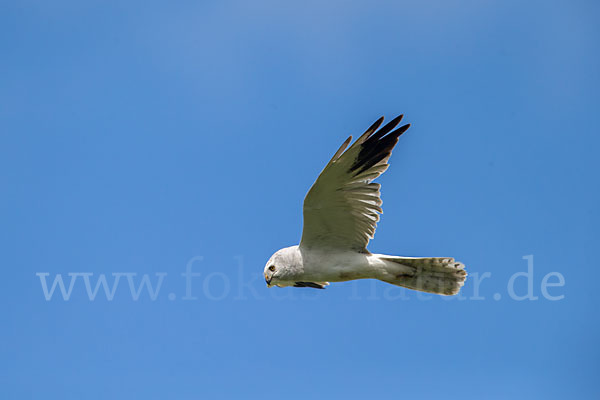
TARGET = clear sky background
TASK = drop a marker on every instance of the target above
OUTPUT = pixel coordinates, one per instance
(135, 136)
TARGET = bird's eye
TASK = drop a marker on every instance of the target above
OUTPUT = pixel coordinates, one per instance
(272, 268)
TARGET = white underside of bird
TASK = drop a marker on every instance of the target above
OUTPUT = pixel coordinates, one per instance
(341, 211)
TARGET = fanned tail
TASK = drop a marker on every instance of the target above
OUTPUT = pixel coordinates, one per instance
(439, 275)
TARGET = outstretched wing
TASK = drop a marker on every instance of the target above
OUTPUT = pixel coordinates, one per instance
(342, 207)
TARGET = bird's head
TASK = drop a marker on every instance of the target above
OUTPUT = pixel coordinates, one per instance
(282, 267)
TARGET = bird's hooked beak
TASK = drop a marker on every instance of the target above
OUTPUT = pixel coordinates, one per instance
(268, 281)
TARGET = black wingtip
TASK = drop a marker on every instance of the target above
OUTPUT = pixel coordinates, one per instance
(398, 132)
(378, 146)
(393, 123)
(377, 123)
(373, 127)
(309, 284)
(387, 128)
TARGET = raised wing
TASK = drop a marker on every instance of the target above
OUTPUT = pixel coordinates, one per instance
(342, 207)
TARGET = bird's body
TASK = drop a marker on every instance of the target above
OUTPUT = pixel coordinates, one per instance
(341, 211)
(308, 265)
(316, 268)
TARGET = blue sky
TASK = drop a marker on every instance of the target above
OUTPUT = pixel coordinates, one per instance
(137, 137)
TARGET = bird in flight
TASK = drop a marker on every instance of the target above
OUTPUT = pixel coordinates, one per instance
(341, 211)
